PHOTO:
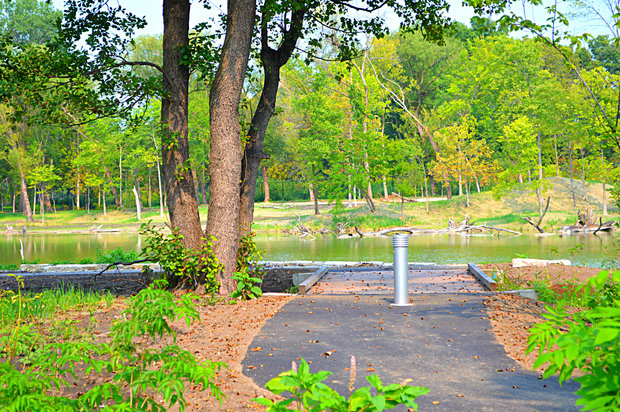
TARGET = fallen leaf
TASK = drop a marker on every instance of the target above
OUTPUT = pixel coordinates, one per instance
(256, 349)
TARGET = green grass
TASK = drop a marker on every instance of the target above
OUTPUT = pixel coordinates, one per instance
(47, 304)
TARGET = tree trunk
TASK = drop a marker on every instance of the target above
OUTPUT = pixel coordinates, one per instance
(34, 200)
(225, 154)
(316, 200)
(203, 185)
(557, 159)
(311, 191)
(604, 181)
(570, 158)
(385, 191)
(117, 201)
(540, 166)
(105, 208)
(182, 205)
(150, 190)
(266, 184)
(272, 61)
(23, 198)
(196, 188)
(138, 205)
(138, 189)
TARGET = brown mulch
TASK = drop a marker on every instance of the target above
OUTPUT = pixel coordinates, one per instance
(512, 316)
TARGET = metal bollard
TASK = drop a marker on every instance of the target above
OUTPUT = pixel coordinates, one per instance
(401, 270)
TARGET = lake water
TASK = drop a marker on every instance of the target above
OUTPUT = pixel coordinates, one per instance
(581, 249)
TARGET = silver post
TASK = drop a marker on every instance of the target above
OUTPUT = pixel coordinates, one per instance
(401, 270)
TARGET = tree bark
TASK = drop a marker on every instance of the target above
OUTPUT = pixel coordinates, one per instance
(266, 185)
(180, 195)
(225, 152)
(138, 205)
(117, 201)
(23, 198)
(203, 185)
(315, 196)
(272, 61)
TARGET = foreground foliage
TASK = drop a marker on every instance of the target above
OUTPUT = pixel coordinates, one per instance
(182, 266)
(587, 341)
(310, 393)
(38, 364)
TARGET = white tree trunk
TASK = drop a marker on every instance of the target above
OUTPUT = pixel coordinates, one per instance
(137, 196)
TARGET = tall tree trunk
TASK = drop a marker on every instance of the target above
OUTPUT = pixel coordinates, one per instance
(117, 201)
(311, 191)
(604, 181)
(385, 191)
(266, 184)
(272, 61)
(120, 174)
(225, 154)
(583, 174)
(203, 185)
(23, 198)
(540, 165)
(34, 200)
(182, 205)
(557, 159)
(150, 190)
(138, 189)
(315, 196)
(105, 207)
(77, 191)
(138, 203)
(196, 188)
(570, 158)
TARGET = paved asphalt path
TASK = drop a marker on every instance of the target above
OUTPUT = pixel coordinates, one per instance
(443, 342)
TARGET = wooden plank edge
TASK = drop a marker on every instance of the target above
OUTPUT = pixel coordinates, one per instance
(305, 286)
(482, 277)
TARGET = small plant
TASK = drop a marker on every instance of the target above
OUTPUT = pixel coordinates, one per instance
(248, 272)
(587, 341)
(116, 255)
(292, 290)
(246, 286)
(183, 267)
(311, 394)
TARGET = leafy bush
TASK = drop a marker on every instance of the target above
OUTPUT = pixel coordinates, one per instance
(588, 341)
(34, 380)
(116, 255)
(182, 266)
(309, 393)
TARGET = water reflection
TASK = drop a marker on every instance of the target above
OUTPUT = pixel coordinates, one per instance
(581, 249)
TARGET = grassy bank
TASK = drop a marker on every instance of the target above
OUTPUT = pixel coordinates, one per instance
(275, 217)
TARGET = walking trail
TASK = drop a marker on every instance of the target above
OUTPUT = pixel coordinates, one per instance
(443, 341)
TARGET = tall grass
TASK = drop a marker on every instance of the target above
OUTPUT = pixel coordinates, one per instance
(49, 303)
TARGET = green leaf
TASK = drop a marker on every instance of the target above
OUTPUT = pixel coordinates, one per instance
(605, 335)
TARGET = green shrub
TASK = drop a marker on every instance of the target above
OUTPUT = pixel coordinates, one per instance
(587, 341)
(141, 372)
(182, 266)
(311, 394)
(116, 255)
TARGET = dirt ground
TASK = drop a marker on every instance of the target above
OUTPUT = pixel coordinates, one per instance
(226, 331)
(512, 316)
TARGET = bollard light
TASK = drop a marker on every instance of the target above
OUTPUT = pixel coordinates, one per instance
(401, 270)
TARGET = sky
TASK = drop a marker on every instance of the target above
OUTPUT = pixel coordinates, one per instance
(151, 9)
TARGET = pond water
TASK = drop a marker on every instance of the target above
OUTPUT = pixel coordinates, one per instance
(586, 250)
